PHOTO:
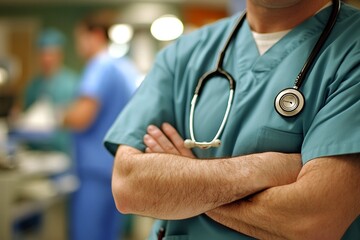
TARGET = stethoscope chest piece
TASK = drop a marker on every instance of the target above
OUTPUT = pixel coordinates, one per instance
(289, 102)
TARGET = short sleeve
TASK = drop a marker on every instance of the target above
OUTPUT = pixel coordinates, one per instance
(151, 104)
(96, 80)
(336, 128)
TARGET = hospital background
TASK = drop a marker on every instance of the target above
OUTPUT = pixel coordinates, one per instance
(34, 191)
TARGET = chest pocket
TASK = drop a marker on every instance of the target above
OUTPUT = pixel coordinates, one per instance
(270, 139)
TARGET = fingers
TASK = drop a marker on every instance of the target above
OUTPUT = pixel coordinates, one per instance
(158, 142)
(152, 145)
(148, 150)
(165, 140)
(176, 140)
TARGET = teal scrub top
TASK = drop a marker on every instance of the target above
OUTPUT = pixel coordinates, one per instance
(328, 125)
(60, 90)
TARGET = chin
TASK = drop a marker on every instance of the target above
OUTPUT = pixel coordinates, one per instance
(275, 3)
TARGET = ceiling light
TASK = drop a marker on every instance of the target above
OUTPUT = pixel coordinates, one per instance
(167, 28)
(121, 33)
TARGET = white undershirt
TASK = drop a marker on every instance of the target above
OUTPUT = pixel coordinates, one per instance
(265, 41)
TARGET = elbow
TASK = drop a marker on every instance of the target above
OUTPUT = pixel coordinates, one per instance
(122, 198)
(123, 193)
(126, 193)
(127, 188)
(124, 186)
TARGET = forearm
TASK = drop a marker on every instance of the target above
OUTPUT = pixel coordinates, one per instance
(174, 187)
(249, 218)
(321, 204)
(81, 114)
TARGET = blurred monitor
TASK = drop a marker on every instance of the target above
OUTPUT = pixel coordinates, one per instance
(6, 94)
(6, 103)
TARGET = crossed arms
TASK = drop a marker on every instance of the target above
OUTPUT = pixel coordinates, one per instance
(267, 195)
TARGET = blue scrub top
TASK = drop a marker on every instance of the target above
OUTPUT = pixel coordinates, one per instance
(328, 125)
(111, 82)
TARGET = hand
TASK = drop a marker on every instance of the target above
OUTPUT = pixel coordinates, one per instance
(165, 140)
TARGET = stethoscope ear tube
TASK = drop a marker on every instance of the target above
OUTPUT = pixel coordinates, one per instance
(218, 71)
(215, 142)
(288, 102)
(319, 44)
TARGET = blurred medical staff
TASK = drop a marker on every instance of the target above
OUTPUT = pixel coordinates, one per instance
(106, 86)
(55, 83)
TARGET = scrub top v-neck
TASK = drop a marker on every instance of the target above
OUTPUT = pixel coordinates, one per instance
(326, 126)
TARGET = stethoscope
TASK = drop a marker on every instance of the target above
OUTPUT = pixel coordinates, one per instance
(289, 102)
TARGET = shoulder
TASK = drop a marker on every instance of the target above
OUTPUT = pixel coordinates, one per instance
(70, 73)
(200, 40)
(346, 34)
(343, 46)
(97, 67)
(347, 26)
(66, 78)
(209, 33)
(100, 62)
(348, 11)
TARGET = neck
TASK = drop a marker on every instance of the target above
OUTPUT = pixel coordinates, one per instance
(263, 19)
(96, 49)
(49, 72)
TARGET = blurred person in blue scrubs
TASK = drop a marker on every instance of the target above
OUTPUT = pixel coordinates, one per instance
(106, 86)
(56, 84)
(269, 174)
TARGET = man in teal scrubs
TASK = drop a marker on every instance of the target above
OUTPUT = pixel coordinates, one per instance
(55, 83)
(272, 177)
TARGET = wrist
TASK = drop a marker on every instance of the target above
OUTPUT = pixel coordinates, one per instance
(247, 175)
(279, 168)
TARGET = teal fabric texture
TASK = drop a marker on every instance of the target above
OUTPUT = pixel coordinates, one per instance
(328, 124)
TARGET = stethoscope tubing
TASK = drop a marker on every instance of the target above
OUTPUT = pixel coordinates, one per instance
(293, 93)
(319, 44)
